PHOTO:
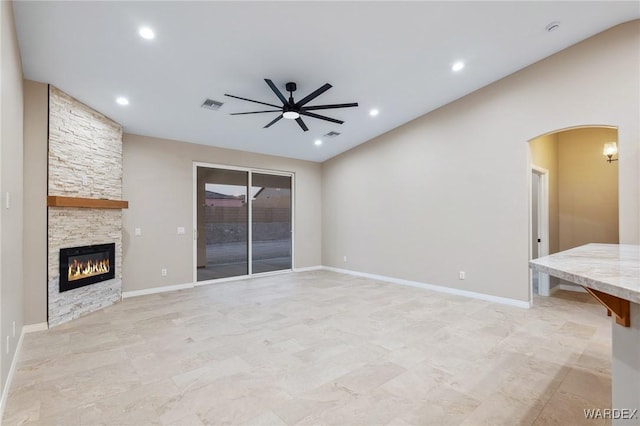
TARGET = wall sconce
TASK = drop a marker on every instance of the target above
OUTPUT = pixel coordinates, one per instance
(610, 149)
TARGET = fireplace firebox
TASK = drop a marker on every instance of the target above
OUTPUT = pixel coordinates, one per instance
(81, 266)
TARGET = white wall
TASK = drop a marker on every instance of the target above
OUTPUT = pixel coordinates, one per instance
(449, 191)
(11, 137)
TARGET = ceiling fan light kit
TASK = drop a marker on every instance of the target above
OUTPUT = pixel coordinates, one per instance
(293, 110)
(290, 115)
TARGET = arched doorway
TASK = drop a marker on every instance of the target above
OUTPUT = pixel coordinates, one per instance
(573, 196)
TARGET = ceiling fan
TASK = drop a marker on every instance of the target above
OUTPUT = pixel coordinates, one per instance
(291, 109)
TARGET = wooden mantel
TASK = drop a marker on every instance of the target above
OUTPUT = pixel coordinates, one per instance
(88, 203)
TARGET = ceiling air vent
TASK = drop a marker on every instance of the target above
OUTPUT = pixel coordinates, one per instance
(332, 134)
(211, 104)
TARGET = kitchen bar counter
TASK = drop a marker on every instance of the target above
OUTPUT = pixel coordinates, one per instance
(611, 273)
(610, 268)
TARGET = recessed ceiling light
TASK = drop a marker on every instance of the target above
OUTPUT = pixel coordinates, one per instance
(457, 66)
(146, 33)
(122, 100)
(374, 112)
(317, 142)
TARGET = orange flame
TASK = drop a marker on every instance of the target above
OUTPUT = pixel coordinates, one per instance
(79, 270)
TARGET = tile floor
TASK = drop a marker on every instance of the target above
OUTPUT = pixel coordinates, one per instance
(317, 348)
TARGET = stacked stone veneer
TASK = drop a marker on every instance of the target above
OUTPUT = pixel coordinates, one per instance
(84, 145)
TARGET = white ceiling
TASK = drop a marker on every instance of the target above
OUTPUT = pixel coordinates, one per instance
(394, 56)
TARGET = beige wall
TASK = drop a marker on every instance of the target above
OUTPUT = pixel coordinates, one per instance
(544, 153)
(11, 139)
(455, 181)
(35, 202)
(158, 183)
(588, 188)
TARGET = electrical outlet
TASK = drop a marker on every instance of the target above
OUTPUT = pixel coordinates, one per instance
(462, 275)
(137, 232)
(180, 230)
(163, 272)
(344, 259)
(85, 180)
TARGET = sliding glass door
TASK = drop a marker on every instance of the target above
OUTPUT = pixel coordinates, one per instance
(271, 223)
(223, 225)
(241, 232)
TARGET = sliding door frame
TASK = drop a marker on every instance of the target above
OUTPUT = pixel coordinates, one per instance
(194, 205)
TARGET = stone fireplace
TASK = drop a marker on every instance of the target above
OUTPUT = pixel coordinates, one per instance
(84, 214)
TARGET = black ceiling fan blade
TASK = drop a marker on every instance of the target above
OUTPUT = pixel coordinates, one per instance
(321, 117)
(274, 121)
(301, 123)
(255, 112)
(313, 95)
(251, 100)
(277, 92)
(314, 107)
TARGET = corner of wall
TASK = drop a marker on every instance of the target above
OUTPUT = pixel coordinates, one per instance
(11, 189)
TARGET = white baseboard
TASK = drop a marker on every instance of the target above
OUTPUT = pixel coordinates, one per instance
(433, 287)
(308, 268)
(154, 290)
(32, 328)
(438, 288)
(12, 370)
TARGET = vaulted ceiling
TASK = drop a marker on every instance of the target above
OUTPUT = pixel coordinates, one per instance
(395, 57)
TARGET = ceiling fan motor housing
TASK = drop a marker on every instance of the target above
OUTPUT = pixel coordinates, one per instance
(291, 87)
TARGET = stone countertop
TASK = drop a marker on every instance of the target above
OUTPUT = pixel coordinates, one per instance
(610, 268)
